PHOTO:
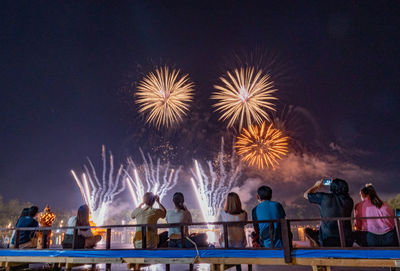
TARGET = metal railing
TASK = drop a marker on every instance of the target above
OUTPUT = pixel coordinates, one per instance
(285, 228)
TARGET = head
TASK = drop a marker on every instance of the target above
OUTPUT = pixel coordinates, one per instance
(264, 193)
(82, 217)
(179, 200)
(364, 193)
(369, 191)
(233, 205)
(149, 199)
(33, 211)
(25, 212)
(339, 187)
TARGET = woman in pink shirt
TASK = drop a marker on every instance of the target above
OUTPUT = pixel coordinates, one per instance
(380, 232)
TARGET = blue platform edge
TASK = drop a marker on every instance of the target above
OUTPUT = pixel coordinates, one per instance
(211, 253)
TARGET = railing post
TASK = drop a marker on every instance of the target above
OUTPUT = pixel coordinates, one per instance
(272, 234)
(341, 233)
(183, 236)
(144, 239)
(108, 238)
(16, 240)
(44, 239)
(74, 238)
(108, 246)
(286, 240)
(396, 221)
(226, 238)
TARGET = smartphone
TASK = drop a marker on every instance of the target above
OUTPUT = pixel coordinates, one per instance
(327, 182)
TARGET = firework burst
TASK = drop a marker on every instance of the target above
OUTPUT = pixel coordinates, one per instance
(261, 146)
(164, 96)
(244, 96)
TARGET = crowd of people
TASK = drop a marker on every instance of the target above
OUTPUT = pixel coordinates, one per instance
(337, 203)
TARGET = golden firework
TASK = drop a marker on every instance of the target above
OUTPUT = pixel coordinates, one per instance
(244, 96)
(164, 96)
(261, 146)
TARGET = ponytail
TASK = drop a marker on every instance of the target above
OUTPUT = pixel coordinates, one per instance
(373, 196)
(178, 200)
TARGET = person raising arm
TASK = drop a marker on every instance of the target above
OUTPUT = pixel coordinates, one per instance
(146, 214)
(312, 189)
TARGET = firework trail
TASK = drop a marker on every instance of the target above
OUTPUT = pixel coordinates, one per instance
(244, 96)
(164, 96)
(156, 178)
(212, 183)
(99, 193)
(261, 146)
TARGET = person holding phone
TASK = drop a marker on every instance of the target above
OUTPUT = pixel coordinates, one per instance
(146, 214)
(337, 203)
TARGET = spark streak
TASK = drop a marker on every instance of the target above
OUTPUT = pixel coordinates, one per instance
(158, 178)
(101, 195)
(212, 185)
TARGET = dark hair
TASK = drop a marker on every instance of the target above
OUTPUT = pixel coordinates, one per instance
(178, 200)
(149, 198)
(264, 192)
(82, 217)
(233, 205)
(373, 196)
(33, 211)
(339, 187)
(25, 212)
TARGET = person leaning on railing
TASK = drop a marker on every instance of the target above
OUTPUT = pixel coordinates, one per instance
(146, 214)
(379, 232)
(338, 203)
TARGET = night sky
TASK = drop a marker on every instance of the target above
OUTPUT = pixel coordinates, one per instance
(67, 69)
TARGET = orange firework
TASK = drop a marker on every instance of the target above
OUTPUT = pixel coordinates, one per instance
(164, 96)
(244, 96)
(261, 146)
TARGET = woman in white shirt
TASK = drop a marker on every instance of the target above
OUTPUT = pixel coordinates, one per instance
(180, 214)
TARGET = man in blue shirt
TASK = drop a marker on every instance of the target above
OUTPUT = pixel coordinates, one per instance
(26, 237)
(269, 210)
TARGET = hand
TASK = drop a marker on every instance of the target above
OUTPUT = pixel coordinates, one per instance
(157, 198)
(141, 205)
(319, 183)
